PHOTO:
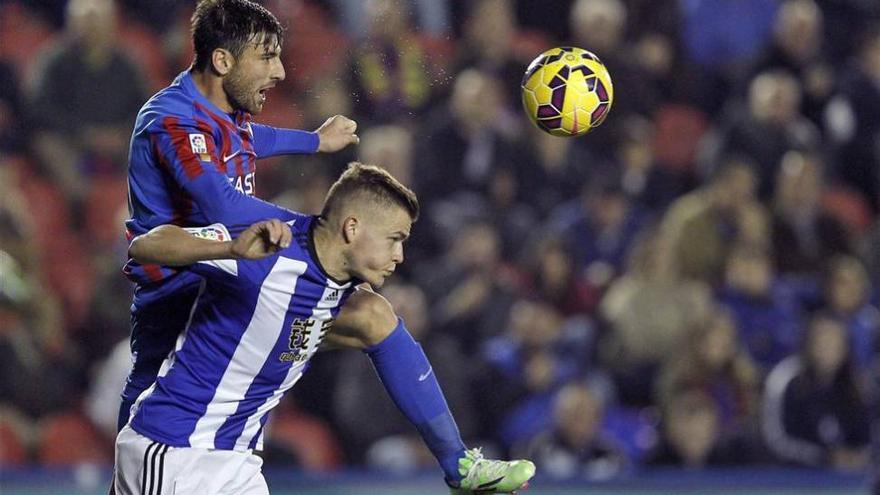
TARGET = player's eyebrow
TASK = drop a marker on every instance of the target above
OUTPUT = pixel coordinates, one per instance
(270, 43)
(271, 50)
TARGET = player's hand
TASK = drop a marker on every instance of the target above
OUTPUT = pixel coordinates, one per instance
(262, 239)
(336, 133)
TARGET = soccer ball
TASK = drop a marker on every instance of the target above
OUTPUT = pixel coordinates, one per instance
(567, 91)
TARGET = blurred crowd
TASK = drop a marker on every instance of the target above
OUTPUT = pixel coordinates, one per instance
(693, 284)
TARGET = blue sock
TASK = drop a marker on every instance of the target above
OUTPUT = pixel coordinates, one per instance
(409, 379)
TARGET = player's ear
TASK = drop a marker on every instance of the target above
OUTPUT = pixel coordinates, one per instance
(350, 229)
(222, 61)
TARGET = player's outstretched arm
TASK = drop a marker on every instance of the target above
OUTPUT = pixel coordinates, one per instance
(171, 245)
(368, 322)
(335, 134)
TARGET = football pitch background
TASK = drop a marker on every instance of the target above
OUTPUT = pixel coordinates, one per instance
(93, 481)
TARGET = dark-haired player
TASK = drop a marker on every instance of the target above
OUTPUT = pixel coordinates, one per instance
(192, 163)
(257, 323)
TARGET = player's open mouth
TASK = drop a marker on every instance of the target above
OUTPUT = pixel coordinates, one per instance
(263, 92)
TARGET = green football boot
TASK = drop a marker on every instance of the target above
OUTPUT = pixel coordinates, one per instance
(485, 476)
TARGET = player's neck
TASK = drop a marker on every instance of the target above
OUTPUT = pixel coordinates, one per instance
(329, 252)
(211, 88)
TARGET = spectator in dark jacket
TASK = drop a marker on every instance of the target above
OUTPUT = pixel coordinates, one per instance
(815, 413)
(805, 236)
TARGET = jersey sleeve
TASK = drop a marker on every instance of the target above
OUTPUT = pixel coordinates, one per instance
(271, 141)
(188, 152)
(226, 270)
(230, 273)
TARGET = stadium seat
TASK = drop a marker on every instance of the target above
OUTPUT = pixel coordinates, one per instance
(315, 34)
(106, 197)
(23, 35)
(53, 214)
(13, 449)
(848, 207)
(69, 438)
(144, 46)
(179, 53)
(66, 265)
(441, 50)
(529, 42)
(309, 438)
(678, 130)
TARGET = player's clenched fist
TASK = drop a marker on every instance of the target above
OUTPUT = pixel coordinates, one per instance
(337, 133)
(262, 239)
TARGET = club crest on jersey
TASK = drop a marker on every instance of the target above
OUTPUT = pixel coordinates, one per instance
(298, 341)
(198, 144)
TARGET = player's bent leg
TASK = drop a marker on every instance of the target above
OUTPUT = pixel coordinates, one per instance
(486, 476)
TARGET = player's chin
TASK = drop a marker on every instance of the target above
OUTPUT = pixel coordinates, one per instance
(378, 280)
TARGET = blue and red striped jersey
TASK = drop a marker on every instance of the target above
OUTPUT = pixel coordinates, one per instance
(191, 164)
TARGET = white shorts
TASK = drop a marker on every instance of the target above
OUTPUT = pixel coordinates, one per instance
(145, 467)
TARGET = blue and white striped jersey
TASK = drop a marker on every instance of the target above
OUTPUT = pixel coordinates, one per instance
(251, 332)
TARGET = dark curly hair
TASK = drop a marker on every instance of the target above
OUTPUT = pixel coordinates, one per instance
(231, 24)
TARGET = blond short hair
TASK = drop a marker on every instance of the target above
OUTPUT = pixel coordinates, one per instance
(375, 184)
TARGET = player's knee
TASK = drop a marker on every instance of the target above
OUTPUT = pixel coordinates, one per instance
(374, 318)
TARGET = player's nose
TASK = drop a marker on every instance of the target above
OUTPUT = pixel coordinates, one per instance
(397, 257)
(278, 73)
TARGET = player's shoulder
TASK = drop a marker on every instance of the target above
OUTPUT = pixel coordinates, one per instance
(300, 229)
(301, 224)
(368, 311)
(172, 102)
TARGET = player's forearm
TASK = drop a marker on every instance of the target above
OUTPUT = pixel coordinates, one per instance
(272, 141)
(170, 245)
